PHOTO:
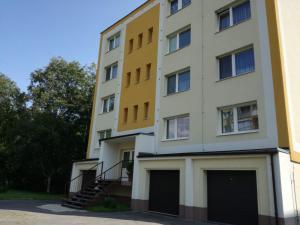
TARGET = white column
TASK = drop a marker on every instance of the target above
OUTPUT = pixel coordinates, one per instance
(189, 182)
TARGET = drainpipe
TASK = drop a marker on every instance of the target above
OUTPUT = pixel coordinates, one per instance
(274, 189)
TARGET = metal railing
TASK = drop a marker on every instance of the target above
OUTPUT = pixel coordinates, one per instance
(77, 181)
(117, 172)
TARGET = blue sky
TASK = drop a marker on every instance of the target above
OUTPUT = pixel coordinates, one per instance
(33, 31)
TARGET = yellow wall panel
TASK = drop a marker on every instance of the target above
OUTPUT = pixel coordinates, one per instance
(145, 90)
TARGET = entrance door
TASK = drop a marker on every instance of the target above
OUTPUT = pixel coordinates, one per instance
(127, 157)
(232, 197)
(87, 177)
(164, 191)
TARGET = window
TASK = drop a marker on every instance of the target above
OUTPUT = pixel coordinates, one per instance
(178, 82)
(146, 110)
(111, 72)
(128, 79)
(135, 112)
(113, 42)
(125, 118)
(150, 34)
(179, 40)
(178, 127)
(237, 63)
(137, 75)
(148, 71)
(130, 46)
(108, 104)
(103, 134)
(176, 5)
(224, 20)
(234, 15)
(241, 118)
(140, 40)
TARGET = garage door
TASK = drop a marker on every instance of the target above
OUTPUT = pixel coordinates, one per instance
(164, 191)
(232, 197)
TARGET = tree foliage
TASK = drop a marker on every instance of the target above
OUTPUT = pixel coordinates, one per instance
(41, 132)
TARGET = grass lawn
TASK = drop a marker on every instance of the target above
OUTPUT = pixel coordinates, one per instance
(26, 195)
(110, 205)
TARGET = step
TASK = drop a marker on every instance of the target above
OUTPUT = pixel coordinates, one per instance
(71, 206)
(79, 195)
(77, 203)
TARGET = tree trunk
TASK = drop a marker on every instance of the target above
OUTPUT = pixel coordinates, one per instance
(48, 184)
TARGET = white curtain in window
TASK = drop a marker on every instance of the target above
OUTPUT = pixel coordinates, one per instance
(172, 44)
(183, 127)
(171, 129)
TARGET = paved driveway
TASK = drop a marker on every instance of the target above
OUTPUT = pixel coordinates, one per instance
(51, 213)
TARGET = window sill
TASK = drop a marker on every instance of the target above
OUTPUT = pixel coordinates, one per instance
(106, 81)
(104, 113)
(177, 139)
(170, 53)
(179, 10)
(111, 50)
(240, 75)
(238, 133)
(176, 93)
(232, 26)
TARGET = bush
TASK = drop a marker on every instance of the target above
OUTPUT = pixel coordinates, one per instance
(3, 188)
(110, 203)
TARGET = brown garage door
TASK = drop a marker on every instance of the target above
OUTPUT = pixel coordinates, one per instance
(232, 197)
(164, 191)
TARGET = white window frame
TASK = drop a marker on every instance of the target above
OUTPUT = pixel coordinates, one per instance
(111, 71)
(230, 9)
(176, 34)
(179, 7)
(235, 120)
(232, 54)
(108, 103)
(175, 118)
(114, 37)
(105, 136)
(177, 81)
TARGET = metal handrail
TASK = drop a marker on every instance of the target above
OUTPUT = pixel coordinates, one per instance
(80, 175)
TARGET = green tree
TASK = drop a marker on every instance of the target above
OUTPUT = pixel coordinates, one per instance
(12, 111)
(61, 101)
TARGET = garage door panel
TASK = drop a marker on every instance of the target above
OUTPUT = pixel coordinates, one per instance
(164, 191)
(232, 197)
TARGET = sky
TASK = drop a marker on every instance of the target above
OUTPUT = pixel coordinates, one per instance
(34, 31)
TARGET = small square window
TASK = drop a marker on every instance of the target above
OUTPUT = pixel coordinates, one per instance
(128, 79)
(125, 118)
(135, 112)
(140, 40)
(150, 34)
(146, 110)
(148, 71)
(137, 75)
(130, 49)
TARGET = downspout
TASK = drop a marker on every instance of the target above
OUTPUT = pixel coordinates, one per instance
(274, 189)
